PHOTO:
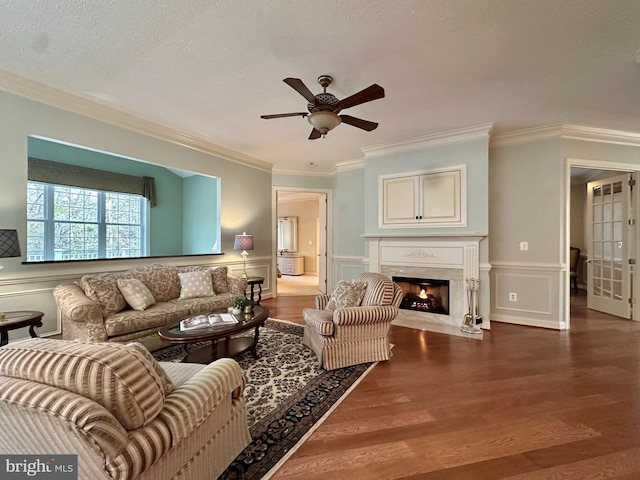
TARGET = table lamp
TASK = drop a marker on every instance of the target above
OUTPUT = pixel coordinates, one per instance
(243, 242)
(9, 247)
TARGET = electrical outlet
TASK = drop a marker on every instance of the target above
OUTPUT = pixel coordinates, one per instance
(513, 297)
(524, 245)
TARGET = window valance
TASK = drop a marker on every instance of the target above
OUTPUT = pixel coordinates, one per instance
(57, 173)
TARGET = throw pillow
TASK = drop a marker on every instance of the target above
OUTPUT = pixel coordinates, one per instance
(136, 293)
(346, 294)
(195, 284)
(139, 349)
(102, 289)
(220, 284)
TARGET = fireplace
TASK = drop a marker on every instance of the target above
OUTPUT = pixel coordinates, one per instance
(424, 294)
(446, 259)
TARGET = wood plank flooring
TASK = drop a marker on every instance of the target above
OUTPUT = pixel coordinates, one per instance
(523, 404)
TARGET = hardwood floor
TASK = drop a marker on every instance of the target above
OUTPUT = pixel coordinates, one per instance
(523, 404)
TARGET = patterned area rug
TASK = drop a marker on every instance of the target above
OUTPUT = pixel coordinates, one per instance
(287, 396)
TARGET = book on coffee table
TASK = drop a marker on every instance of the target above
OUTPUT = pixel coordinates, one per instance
(206, 320)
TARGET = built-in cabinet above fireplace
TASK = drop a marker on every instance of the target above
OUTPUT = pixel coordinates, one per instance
(434, 198)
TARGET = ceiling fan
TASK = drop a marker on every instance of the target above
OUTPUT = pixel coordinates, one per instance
(325, 107)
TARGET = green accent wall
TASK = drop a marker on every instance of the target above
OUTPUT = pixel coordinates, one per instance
(348, 213)
(201, 218)
(474, 154)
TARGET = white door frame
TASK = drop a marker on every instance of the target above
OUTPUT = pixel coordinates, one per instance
(274, 233)
(596, 165)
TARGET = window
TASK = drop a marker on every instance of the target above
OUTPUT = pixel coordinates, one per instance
(70, 223)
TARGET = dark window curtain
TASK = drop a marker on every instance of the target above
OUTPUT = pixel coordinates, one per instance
(46, 171)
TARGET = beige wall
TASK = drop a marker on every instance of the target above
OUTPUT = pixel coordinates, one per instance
(307, 213)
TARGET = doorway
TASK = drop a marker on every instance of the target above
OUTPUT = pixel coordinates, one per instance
(301, 252)
(601, 205)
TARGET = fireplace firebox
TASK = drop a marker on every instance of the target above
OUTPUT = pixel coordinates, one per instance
(424, 294)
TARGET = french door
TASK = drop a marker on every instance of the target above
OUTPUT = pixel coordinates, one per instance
(608, 273)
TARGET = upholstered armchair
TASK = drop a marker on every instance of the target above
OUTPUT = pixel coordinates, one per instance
(123, 414)
(343, 335)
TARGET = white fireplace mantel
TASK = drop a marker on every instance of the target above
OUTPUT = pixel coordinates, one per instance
(459, 252)
(447, 257)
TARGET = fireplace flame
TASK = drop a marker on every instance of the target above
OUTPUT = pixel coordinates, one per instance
(422, 294)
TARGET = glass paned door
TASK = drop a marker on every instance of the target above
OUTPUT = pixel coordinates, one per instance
(608, 259)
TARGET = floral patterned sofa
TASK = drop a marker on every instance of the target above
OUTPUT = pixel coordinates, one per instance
(95, 309)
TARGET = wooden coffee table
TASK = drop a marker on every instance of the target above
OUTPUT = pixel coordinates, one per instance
(220, 336)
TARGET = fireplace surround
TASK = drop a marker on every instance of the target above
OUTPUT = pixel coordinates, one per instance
(440, 258)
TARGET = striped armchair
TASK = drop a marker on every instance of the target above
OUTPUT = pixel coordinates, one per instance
(123, 414)
(352, 335)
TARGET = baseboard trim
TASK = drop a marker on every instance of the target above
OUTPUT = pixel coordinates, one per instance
(528, 322)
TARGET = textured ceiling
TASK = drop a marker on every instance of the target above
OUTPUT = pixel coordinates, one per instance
(210, 69)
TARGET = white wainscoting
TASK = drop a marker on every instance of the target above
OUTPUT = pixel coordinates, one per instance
(347, 268)
(39, 299)
(539, 288)
(258, 267)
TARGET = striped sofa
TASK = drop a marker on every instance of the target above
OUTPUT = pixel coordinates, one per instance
(123, 414)
(351, 335)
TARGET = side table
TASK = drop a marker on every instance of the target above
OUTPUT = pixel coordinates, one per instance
(253, 281)
(15, 320)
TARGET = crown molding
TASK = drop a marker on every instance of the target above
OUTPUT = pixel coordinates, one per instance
(300, 171)
(567, 132)
(460, 135)
(347, 166)
(23, 87)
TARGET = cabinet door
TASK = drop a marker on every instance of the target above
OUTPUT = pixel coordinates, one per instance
(400, 200)
(440, 197)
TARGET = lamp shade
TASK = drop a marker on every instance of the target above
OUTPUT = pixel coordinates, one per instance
(9, 246)
(243, 242)
(324, 121)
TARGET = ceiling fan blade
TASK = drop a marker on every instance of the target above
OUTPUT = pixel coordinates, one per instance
(373, 92)
(315, 134)
(280, 115)
(301, 88)
(358, 122)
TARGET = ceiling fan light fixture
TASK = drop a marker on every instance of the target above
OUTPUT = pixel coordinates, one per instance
(324, 121)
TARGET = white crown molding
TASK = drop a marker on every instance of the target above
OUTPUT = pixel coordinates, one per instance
(567, 132)
(460, 135)
(300, 171)
(53, 97)
(347, 166)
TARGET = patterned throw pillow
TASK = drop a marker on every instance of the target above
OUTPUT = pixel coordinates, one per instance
(102, 289)
(136, 293)
(346, 294)
(196, 284)
(220, 284)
